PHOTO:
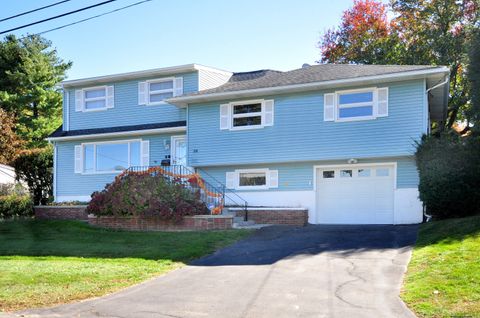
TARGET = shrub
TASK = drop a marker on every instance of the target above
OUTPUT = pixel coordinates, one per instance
(11, 188)
(14, 206)
(146, 195)
(449, 170)
(35, 168)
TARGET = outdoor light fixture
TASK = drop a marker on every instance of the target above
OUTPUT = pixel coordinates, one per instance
(352, 161)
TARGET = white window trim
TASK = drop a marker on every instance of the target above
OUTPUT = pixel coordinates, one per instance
(85, 99)
(374, 104)
(128, 141)
(159, 80)
(246, 102)
(262, 187)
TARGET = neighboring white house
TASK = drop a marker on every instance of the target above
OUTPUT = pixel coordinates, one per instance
(7, 174)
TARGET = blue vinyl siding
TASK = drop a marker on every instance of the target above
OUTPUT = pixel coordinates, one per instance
(299, 132)
(127, 111)
(70, 183)
(299, 175)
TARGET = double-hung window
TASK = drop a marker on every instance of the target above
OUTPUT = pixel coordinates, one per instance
(355, 105)
(359, 104)
(246, 114)
(94, 98)
(110, 157)
(160, 90)
(156, 91)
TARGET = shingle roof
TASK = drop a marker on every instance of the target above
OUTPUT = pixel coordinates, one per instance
(309, 74)
(84, 132)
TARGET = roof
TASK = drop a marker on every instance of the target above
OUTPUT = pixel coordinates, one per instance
(71, 134)
(305, 78)
(309, 74)
(145, 73)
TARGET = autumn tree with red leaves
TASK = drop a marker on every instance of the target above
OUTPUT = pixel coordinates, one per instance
(421, 32)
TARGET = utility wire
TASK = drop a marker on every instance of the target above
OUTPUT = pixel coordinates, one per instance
(58, 16)
(34, 10)
(93, 17)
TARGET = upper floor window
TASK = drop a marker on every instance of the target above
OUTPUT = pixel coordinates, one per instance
(94, 98)
(355, 105)
(160, 90)
(246, 115)
(358, 104)
(156, 91)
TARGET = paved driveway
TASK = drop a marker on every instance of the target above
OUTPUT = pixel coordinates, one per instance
(316, 271)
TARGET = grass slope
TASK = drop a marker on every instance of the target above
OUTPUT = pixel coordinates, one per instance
(44, 263)
(443, 278)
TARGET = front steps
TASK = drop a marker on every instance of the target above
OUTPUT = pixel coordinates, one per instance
(240, 223)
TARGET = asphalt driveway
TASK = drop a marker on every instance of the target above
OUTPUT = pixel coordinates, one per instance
(316, 271)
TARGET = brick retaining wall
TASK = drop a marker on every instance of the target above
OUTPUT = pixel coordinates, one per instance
(59, 212)
(281, 216)
(189, 223)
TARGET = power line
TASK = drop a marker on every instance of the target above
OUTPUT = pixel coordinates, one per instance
(34, 10)
(58, 16)
(93, 17)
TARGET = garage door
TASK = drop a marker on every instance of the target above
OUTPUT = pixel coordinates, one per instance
(359, 195)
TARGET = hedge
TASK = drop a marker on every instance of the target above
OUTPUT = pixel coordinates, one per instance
(15, 206)
(449, 170)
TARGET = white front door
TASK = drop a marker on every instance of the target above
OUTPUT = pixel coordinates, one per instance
(179, 151)
(360, 194)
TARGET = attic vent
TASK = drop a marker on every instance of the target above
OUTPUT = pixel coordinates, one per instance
(305, 65)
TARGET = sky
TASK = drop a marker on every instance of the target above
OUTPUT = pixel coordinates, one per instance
(241, 35)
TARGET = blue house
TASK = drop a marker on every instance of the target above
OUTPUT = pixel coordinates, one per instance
(337, 140)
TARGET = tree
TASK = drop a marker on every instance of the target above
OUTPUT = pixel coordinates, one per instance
(474, 78)
(363, 36)
(422, 32)
(10, 143)
(30, 71)
(35, 167)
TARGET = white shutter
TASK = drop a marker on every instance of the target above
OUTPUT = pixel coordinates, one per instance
(231, 177)
(268, 111)
(145, 153)
(142, 93)
(225, 116)
(79, 100)
(329, 107)
(382, 102)
(78, 159)
(110, 96)
(178, 86)
(273, 174)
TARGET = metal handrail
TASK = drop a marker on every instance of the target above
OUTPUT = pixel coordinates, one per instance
(244, 203)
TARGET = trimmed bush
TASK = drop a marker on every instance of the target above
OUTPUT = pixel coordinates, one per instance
(35, 167)
(15, 206)
(145, 195)
(449, 169)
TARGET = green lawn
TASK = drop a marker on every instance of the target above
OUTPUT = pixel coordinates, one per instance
(44, 263)
(443, 278)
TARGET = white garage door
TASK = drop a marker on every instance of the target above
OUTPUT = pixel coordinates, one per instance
(355, 195)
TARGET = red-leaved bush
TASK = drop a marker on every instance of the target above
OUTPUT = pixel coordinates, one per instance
(146, 196)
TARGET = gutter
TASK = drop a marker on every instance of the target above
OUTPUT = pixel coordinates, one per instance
(184, 101)
(120, 134)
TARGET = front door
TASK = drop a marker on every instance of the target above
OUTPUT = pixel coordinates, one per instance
(179, 151)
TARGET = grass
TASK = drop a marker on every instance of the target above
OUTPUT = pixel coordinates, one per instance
(443, 278)
(44, 263)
